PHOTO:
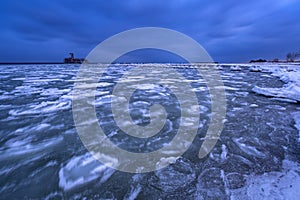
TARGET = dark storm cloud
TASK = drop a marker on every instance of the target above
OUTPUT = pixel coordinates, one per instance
(230, 30)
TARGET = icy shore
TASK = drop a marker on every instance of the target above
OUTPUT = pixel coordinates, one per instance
(290, 75)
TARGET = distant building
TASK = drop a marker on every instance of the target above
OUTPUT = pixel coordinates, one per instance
(259, 61)
(71, 59)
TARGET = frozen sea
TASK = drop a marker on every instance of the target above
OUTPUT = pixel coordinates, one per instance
(256, 157)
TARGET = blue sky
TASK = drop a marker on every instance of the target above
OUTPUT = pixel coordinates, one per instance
(230, 30)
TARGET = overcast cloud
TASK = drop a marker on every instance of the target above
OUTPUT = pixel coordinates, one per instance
(230, 30)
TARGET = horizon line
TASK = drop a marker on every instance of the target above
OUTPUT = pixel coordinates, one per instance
(22, 63)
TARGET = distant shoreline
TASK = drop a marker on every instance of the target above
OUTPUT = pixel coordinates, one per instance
(30, 63)
(218, 63)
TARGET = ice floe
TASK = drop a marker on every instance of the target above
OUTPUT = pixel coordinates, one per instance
(81, 170)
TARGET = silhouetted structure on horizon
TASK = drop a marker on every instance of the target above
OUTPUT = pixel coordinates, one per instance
(71, 59)
(259, 60)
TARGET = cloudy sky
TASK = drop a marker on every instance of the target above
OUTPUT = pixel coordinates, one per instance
(230, 30)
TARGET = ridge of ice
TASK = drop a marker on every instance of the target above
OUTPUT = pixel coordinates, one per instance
(289, 75)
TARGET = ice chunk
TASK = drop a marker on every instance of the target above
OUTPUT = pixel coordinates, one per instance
(43, 107)
(255, 69)
(291, 91)
(247, 148)
(134, 192)
(224, 152)
(235, 68)
(296, 116)
(175, 176)
(81, 170)
(16, 150)
(253, 106)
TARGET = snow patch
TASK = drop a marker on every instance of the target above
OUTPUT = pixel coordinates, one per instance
(273, 185)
